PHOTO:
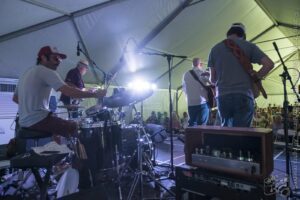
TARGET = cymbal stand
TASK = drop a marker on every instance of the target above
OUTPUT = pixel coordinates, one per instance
(118, 180)
(139, 173)
(138, 178)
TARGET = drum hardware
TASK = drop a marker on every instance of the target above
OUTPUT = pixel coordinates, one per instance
(139, 173)
(143, 160)
(118, 172)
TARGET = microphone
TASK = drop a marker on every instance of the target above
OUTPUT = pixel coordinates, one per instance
(275, 46)
(78, 49)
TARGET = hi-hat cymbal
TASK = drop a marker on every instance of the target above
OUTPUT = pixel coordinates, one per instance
(71, 106)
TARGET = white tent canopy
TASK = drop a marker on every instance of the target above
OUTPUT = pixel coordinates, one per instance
(109, 30)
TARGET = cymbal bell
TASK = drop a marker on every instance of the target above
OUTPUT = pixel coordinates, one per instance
(71, 106)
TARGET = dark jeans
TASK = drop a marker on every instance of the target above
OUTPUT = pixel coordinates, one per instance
(235, 110)
(198, 114)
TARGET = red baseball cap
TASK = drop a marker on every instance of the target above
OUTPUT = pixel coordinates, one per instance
(47, 50)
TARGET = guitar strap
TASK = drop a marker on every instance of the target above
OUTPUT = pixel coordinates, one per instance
(245, 62)
(197, 78)
(210, 91)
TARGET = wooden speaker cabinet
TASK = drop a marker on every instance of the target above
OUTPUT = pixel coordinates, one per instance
(241, 152)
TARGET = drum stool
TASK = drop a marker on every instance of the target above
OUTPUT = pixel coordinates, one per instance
(34, 162)
(26, 133)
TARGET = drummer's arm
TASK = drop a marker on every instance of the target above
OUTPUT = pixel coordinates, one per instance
(77, 93)
(82, 89)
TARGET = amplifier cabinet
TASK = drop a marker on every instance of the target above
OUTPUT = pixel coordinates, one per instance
(201, 184)
(240, 152)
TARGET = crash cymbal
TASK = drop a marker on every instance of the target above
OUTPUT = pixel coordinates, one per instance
(126, 98)
(71, 106)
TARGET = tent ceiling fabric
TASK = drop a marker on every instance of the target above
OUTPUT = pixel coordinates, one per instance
(116, 29)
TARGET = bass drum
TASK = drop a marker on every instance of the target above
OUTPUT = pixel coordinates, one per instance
(129, 144)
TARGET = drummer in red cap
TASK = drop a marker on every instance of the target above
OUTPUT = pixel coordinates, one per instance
(33, 92)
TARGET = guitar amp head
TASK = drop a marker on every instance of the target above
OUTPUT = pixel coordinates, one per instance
(240, 152)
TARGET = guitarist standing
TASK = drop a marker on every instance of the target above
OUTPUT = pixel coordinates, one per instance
(232, 73)
(196, 94)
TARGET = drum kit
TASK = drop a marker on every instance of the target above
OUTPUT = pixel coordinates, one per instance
(113, 147)
(114, 150)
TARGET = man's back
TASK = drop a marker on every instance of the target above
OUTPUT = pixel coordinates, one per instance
(231, 76)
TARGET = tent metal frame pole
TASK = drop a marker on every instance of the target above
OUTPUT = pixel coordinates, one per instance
(163, 24)
(276, 39)
(57, 20)
(46, 6)
(291, 26)
(150, 36)
(195, 2)
(266, 11)
(166, 72)
(262, 33)
(286, 58)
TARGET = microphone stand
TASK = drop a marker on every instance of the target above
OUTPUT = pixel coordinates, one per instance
(286, 76)
(169, 60)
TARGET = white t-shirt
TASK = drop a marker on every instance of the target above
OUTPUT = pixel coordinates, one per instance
(195, 93)
(33, 92)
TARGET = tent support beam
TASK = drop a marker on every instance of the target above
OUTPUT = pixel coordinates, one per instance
(286, 58)
(152, 35)
(262, 33)
(163, 24)
(292, 26)
(46, 6)
(266, 11)
(276, 39)
(181, 61)
(57, 20)
(196, 2)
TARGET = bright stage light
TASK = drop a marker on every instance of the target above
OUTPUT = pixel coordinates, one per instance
(153, 86)
(141, 85)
